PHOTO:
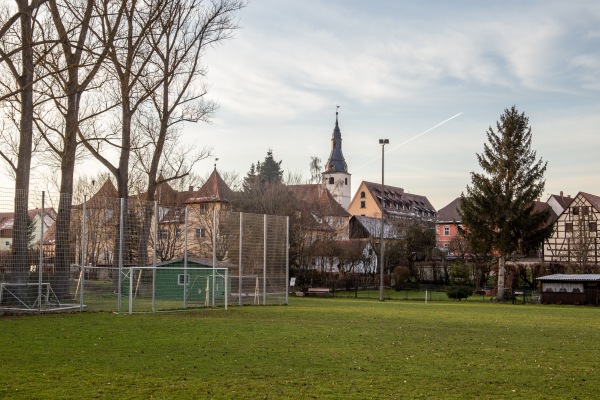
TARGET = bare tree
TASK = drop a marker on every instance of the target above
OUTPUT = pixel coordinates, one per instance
(71, 69)
(315, 169)
(178, 41)
(18, 58)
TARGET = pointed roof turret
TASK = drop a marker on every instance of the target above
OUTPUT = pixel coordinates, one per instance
(336, 162)
(214, 190)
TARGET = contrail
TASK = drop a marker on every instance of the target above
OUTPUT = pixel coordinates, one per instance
(411, 139)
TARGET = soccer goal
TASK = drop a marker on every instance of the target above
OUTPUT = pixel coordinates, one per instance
(31, 296)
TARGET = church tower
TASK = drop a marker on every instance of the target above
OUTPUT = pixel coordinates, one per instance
(336, 178)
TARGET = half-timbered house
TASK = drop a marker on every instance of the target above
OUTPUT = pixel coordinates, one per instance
(575, 239)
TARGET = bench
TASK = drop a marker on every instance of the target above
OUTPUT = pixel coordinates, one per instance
(318, 291)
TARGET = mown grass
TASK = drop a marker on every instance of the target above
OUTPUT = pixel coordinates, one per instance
(314, 348)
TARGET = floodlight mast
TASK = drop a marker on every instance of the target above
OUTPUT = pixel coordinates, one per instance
(382, 142)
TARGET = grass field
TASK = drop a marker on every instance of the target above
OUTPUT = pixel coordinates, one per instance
(324, 348)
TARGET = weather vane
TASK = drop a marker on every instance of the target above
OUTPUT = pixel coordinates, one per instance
(216, 159)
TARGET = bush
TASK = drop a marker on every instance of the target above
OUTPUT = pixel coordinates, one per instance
(459, 292)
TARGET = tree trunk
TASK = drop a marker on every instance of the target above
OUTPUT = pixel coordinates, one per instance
(64, 252)
(25, 81)
(500, 294)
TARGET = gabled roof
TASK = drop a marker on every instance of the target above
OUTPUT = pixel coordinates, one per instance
(563, 201)
(7, 219)
(540, 206)
(450, 213)
(166, 195)
(593, 199)
(99, 199)
(399, 203)
(318, 200)
(214, 190)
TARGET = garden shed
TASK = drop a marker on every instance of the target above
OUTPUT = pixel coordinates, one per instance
(570, 289)
(194, 277)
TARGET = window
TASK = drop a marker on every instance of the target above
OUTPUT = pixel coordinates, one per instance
(7, 243)
(346, 181)
(593, 226)
(163, 234)
(446, 230)
(585, 210)
(575, 210)
(203, 208)
(183, 279)
(178, 233)
(568, 227)
(200, 233)
(362, 195)
(331, 180)
(362, 204)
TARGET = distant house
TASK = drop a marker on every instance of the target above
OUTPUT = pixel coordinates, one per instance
(205, 221)
(7, 222)
(447, 224)
(570, 289)
(575, 238)
(559, 202)
(367, 202)
(321, 214)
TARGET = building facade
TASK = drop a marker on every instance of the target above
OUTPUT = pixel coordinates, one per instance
(575, 239)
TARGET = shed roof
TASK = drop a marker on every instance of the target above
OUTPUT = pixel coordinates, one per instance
(570, 278)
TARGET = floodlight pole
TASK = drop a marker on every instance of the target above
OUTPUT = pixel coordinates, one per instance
(382, 142)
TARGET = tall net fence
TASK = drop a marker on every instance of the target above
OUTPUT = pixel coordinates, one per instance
(128, 255)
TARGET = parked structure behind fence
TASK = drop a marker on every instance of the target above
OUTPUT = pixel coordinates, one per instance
(128, 255)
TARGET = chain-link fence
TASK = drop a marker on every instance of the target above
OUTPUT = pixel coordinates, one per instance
(128, 255)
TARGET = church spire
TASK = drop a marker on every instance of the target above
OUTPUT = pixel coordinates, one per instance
(336, 162)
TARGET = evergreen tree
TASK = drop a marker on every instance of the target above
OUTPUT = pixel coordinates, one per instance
(250, 179)
(498, 208)
(270, 170)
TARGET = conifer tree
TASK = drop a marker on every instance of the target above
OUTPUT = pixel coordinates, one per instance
(498, 208)
(270, 170)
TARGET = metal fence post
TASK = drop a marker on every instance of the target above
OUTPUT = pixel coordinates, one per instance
(185, 259)
(240, 287)
(41, 263)
(83, 242)
(154, 256)
(121, 232)
(214, 263)
(287, 259)
(265, 259)
(130, 289)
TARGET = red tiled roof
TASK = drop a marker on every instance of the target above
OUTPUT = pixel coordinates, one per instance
(214, 190)
(318, 200)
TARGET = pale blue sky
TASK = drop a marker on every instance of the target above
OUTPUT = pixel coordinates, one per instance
(398, 68)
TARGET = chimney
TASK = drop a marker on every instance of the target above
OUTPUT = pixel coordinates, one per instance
(561, 194)
(192, 189)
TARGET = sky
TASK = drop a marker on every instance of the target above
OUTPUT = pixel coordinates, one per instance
(431, 77)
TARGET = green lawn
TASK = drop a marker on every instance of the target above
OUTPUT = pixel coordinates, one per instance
(325, 348)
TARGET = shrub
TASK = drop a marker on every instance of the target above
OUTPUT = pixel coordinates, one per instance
(459, 292)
